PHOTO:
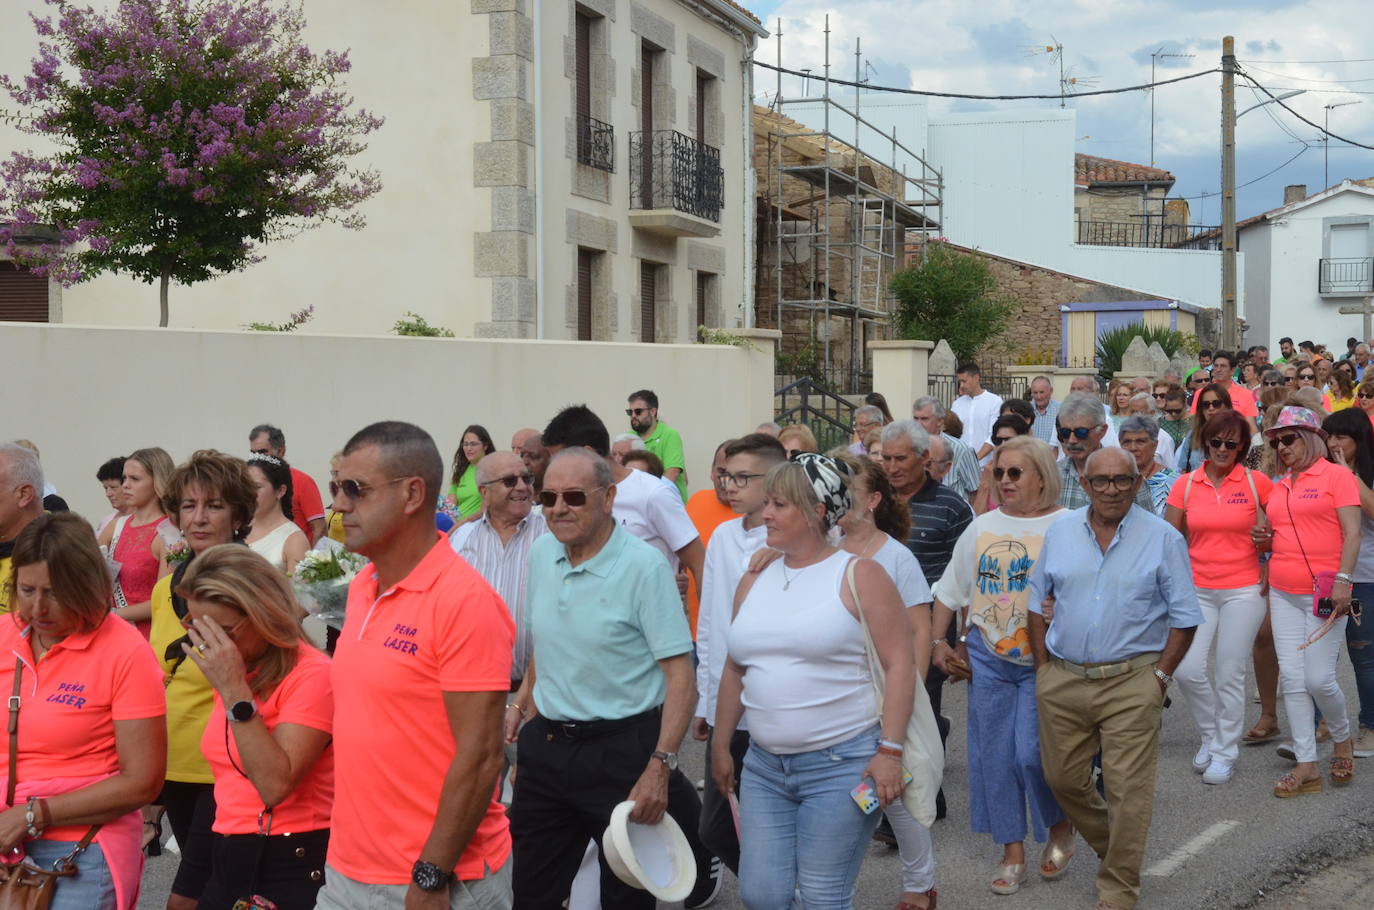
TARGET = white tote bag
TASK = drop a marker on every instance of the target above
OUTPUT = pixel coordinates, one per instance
(923, 754)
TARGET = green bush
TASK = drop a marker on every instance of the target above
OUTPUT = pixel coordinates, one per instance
(951, 295)
(1112, 344)
(416, 326)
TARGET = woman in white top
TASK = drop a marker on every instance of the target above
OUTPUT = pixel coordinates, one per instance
(797, 663)
(987, 581)
(274, 536)
(874, 527)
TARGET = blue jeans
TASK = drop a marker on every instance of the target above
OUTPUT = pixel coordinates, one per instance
(799, 827)
(91, 888)
(1359, 642)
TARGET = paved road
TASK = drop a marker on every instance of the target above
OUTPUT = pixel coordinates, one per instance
(1209, 847)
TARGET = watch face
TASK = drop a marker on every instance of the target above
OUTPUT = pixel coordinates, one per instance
(242, 711)
(428, 877)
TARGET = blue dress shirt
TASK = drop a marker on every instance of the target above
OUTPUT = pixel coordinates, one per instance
(1115, 605)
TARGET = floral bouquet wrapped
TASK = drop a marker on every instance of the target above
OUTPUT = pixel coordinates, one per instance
(321, 580)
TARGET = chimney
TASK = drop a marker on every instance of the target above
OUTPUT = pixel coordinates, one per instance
(1296, 192)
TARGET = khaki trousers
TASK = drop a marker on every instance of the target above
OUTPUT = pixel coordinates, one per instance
(1120, 717)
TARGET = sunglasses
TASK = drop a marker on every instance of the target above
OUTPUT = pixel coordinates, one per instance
(354, 490)
(1080, 432)
(1311, 376)
(1209, 405)
(998, 440)
(1229, 445)
(1100, 482)
(1365, 395)
(1287, 440)
(575, 498)
(510, 480)
(1013, 474)
(1174, 412)
(1269, 383)
(1158, 394)
(635, 412)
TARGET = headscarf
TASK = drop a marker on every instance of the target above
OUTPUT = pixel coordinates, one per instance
(829, 480)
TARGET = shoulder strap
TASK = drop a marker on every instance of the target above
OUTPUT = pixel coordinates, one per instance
(1259, 509)
(1187, 490)
(14, 731)
(120, 522)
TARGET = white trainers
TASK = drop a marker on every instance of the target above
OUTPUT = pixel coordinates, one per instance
(1203, 759)
(1218, 772)
(1364, 743)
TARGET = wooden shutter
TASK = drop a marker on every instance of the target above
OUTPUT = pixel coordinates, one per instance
(584, 65)
(648, 274)
(703, 286)
(646, 88)
(23, 295)
(703, 86)
(585, 261)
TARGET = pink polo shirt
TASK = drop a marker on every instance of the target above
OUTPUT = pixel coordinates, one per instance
(1219, 520)
(1305, 524)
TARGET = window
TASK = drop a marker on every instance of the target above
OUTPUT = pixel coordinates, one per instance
(704, 92)
(648, 302)
(23, 295)
(705, 289)
(595, 139)
(586, 266)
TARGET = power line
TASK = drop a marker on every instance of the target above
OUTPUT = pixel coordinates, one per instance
(1306, 62)
(1274, 117)
(1323, 130)
(1298, 78)
(1302, 151)
(914, 91)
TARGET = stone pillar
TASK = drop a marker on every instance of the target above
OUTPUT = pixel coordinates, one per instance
(901, 372)
(762, 353)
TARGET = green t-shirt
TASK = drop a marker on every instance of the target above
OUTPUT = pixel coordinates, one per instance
(465, 494)
(666, 443)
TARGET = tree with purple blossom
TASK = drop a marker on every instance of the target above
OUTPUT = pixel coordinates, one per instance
(186, 133)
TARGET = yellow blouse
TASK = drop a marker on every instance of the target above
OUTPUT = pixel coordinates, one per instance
(189, 694)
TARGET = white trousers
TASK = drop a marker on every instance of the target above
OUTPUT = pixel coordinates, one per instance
(915, 847)
(1310, 674)
(1230, 620)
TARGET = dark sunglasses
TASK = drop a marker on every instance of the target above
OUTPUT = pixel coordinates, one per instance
(1365, 395)
(575, 498)
(1080, 432)
(1208, 405)
(1229, 445)
(354, 490)
(635, 412)
(998, 440)
(1159, 394)
(1311, 376)
(1288, 440)
(1269, 383)
(1014, 474)
(510, 480)
(1174, 412)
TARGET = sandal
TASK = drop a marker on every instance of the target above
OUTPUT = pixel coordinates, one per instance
(1323, 733)
(1009, 878)
(1056, 856)
(154, 846)
(1342, 771)
(931, 896)
(1289, 786)
(1262, 732)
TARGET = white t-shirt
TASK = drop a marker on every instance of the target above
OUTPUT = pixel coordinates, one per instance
(978, 415)
(727, 558)
(653, 511)
(904, 570)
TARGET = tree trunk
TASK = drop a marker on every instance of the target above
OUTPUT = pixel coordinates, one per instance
(162, 296)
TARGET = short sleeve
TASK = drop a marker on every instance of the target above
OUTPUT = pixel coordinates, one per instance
(1264, 486)
(911, 581)
(672, 454)
(659, 607)
(670, 518)
(306, 696)
(473, 634)
(308, 494)
(1345, 491)
(1176, 491)
(955, 587)
(137, 692)
(1041, 585)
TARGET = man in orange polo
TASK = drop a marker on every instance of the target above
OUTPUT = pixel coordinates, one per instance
(420, 677)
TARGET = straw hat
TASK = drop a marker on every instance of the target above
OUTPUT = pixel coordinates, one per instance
(653, 858)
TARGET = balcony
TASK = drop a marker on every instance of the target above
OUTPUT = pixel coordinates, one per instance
(677, 186)
(1149, 234)
(596, 144)
(1345, 277)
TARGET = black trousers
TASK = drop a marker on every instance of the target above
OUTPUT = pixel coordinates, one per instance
(565, 790)
(717, 822)
(287, 869)
(190, 812)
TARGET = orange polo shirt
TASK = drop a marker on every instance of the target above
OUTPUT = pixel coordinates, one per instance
(1219, 520)
(304, 697)
(440, 629)
(1305, 523)
(1242, 401)
(707, 513)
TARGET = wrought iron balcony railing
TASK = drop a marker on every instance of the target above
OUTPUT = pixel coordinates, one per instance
(596, 143)
(1346, 276)
(671, 171)
(1149, 234)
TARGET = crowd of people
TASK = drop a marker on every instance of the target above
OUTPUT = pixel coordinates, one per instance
(539, 628)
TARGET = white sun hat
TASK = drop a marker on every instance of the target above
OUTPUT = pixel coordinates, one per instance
(653, 858)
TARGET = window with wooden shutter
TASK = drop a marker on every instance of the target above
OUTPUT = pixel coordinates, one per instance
(583, 43)
(703, 298)
(23, 295)
(648, 302)
(586, 261)
(703, 92)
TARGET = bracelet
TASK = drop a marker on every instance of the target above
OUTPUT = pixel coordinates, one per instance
(1345, 577)
(30, 820)
(889, 751)
(890, 744)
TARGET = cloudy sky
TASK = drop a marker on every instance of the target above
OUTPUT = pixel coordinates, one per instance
(943, 45)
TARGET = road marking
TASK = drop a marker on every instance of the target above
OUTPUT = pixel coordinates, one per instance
(1176, 860)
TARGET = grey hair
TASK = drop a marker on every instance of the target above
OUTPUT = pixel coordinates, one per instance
(1080, 405)
(601, 471)
(909, 430)
(1139, 423)
(1106, 450)
(769, 427)
(633, 439)
(1044, 379)
(928, 401)
(869, 410)
(1361, 347)
(937, 442)
(1271, 376)
(275, 437)
(1147, 398)
(21, 467)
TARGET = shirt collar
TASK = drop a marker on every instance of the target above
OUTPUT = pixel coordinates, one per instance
(426, 571)
(602, 564)
(927, 490)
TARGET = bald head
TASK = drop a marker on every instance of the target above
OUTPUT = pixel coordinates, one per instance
(498, 465)
(1111, 460)
(506, 487)
(518, 440)
(1083, 384)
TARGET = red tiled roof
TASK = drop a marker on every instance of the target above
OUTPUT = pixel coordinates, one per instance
(743, 10)
(1089, 169)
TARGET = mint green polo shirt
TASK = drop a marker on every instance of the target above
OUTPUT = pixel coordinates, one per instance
(666, 443)
(600, 628)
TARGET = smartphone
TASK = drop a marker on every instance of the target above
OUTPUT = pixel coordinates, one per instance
(865, 798)
(1324, 607)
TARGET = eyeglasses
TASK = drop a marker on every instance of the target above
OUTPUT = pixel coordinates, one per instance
(1013, 474)
(740, 480)
(635, 412)
(1268, 383)
(1287, 440)
(1364, 395)
(575, 498)
(510, 480)
(1209, 405)
(1229, 445)
(1099, 483)
(354, 490)
(1309, 376)
(1080, 432)
(1159, 394)
(1174, 412)
(1199, 380)
(998, 440)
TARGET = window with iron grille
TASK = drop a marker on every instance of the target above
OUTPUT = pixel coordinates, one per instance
(595, 138)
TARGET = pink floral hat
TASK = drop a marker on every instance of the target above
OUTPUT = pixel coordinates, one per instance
(1293, 417)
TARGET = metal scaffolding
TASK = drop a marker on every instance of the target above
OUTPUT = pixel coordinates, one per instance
(838, 221)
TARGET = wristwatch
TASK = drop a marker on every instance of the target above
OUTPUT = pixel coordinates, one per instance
(1163, 677)
(241, 712)
(669, 759)
(429, 877)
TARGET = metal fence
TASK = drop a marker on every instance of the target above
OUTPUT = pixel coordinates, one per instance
(830, 417)
(995, 379)
(1346, 276)
(669, 170)
(1149, 234)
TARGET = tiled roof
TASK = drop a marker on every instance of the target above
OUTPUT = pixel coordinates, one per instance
(1256, 219)
(1089, 169)
(743, 10)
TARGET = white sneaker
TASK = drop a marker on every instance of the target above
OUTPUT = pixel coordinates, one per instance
(1203, 759)
(1218, 772)
(1364, 743)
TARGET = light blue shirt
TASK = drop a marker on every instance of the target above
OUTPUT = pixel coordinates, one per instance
(601, 627)
(1045, 426)
(1113, 606)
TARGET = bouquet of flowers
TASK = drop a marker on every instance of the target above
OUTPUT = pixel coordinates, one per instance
(177, 551)
(321, 580)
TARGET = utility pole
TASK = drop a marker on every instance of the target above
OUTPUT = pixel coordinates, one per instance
(1230, 335)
